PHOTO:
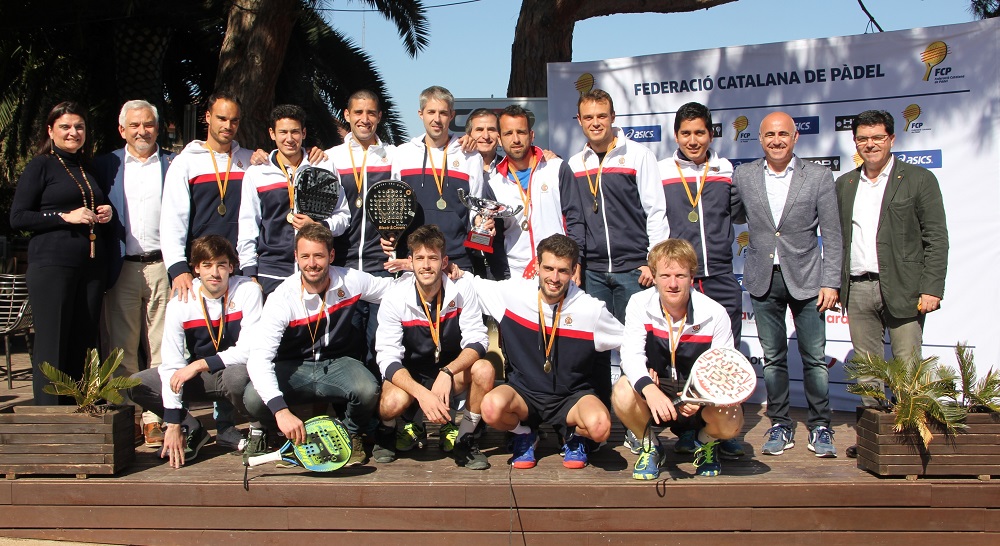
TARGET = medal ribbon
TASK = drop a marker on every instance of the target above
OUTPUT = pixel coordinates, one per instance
(548, 341)
(675, 340)
(313, 332)
(438, 178)
(434, 326)
(216, 341)
(595, 187)
(526, 196)
(701, 185)
(291, 187)
(359, 177)
(223, 184)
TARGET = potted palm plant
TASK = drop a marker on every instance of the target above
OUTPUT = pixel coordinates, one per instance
(94, 438)
(936, 422)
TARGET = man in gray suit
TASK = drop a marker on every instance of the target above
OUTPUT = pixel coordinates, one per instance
(784, 199)
(895, 244)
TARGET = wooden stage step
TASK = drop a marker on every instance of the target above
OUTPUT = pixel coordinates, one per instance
(424, 498)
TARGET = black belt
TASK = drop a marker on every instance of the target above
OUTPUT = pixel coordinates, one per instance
(864, 277)
(145, 257)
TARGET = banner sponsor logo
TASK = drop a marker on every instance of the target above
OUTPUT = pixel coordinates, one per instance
(808, 125)
(716, 130)
(928, 159)
(911, 113)
(843, 123)
(644, 133)
(832, 162)
(740, 126)
(585, 83)
(932, 56)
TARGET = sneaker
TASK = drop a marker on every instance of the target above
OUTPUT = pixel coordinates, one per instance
(687, 442)
(632, 443)
(467, 454)
(779, 438)
(575, 452)
(230, 438)
(358, 455)
(410, 436)
(647, 466)
(152, 434)
(194, 441)
(706, 460)
(447, 436)
(821, 442)
(731, 449)
(254, 444)
(385, 444)
(523, 449)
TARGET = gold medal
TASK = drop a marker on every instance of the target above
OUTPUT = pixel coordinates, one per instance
(524, 225)
(442, 204)
(290, 218)
(437, 354)
(548, 366)
(358, 203)
(92, 236)
(693, 217)
(595, 204)
(221, 209)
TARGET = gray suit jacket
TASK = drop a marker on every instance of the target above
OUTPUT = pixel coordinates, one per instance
(806, 263)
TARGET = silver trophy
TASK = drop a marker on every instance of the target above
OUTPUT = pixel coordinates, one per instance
(479, 238)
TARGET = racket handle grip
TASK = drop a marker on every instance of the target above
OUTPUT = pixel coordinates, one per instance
(257, 460)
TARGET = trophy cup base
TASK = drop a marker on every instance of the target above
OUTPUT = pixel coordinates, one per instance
(479, 241)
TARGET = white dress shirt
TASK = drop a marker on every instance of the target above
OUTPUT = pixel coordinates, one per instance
(143, 192)
(777, 185)
(864, 220)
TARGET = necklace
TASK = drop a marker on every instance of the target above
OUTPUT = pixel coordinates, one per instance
(675, 339)
(223, 184)
(91, 205)
(359, 177)
(216, 339)
(548, 341)
(434, 324)
(693, 199)
(595, 188)
(313, 332)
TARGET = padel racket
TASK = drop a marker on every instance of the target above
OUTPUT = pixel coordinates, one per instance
(391, 206)
(720, 377)
(327, 447)
(316, 192)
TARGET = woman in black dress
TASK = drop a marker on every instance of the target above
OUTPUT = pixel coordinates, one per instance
(58, 200)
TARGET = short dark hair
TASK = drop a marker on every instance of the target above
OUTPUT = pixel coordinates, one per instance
(222, 95)
(559, 246)
(209, 247)
(287, 111)
(692, 110)
(596, 95)
(516, 111)
(44, 145)
(426, 236)
(874, 117)
(480, 113)
(365, 94)
(317, 233)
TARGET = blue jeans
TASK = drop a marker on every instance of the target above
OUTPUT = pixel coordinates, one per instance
(614, 289)
(341, 379)
(810, 329)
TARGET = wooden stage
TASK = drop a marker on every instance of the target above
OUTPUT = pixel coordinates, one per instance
(426, 499)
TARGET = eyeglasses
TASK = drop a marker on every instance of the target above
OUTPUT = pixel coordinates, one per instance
(877, 139)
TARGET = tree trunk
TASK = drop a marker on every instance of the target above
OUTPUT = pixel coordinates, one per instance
(253, 51)
(544, 34)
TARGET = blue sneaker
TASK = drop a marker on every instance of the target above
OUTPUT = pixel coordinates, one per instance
(706, 460)
(647, 466)
(687, 442)
(575, 452)
(523, 448)
(779, 438)
(632, 443)
(731, 449)
(821, 442)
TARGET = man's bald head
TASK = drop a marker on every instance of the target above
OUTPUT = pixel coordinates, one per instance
(778, 137)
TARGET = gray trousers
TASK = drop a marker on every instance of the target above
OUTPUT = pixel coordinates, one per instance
(224, 385)
(869, 320)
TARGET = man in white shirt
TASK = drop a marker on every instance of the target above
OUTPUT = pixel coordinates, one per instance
(138, 289)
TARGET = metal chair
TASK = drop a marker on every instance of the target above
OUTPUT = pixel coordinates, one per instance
(15, 315)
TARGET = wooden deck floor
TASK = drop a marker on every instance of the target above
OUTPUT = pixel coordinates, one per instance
(425, 499)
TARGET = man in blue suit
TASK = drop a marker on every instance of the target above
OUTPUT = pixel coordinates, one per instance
(785, 199)
(138, 289)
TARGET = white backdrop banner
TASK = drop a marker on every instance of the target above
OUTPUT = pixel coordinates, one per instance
(941, 84)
